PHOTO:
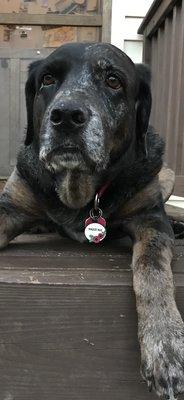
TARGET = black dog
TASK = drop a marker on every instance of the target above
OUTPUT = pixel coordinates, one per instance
(88, 110)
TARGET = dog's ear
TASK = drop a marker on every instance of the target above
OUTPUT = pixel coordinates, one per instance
(143, 104)
(30, 91)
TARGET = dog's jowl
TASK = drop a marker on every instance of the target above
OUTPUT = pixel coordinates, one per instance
(88, 108)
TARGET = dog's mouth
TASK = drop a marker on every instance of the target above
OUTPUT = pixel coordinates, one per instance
(70, 149)
(63, 157)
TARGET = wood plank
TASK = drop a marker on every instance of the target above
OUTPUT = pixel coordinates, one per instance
(156, 16)
(180, 158)
(179, 97)
(179, 186)
(146, 50)
(106, 24)
(50, 19)
(164, 84)
(154, 52)
(65, 276)
(76, 341)
(158, 52)
(24, 53)
(160, 79)
(88, 34)
(5, 114)
(49, 259)
(171, 95)
(14, 123)
(53, 244)
(150, 13)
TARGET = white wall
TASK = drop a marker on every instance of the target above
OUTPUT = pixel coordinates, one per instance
(127, 16)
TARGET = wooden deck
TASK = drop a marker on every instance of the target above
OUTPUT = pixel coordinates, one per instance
(68, 322)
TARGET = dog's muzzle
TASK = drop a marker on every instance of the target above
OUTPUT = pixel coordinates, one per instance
(72, 136)
(62, 128)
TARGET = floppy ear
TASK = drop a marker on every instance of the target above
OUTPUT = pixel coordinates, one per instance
(143, 104)
(30, 91)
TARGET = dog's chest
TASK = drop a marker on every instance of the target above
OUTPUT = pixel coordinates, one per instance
(74, 233)
(71, 223)
(74, 225)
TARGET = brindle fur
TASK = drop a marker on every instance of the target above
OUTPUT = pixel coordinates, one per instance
(111, 141)
(160, 327)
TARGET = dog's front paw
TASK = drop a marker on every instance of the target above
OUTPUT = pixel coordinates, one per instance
(3, 230)
(163, 361)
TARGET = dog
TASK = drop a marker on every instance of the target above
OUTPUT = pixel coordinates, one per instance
(93, 167)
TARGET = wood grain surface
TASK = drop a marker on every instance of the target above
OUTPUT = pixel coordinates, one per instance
(68, 322)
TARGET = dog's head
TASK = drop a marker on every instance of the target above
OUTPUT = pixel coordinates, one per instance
(86, 105)
(88, 109)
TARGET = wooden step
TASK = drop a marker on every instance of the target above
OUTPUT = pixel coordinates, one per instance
(68, 325)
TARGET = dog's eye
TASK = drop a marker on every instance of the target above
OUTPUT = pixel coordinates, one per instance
(113, 82)
(48, 80)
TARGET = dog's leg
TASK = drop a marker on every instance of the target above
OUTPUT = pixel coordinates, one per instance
(160, 327)
(19, 209)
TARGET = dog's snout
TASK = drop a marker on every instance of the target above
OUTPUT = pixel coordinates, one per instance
(69, 114)
(56, 116)
(78, 117)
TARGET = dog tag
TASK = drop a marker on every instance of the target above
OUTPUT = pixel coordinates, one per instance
(95, 228)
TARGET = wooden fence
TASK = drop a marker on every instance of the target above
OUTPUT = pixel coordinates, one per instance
(163, 29)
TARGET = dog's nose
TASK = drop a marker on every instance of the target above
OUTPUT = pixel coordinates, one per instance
(72, 115)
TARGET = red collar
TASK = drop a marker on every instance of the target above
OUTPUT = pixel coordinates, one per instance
(99, 194)
(102, 190)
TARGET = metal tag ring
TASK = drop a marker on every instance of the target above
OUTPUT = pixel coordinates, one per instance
(95, 213)
(96, 202)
